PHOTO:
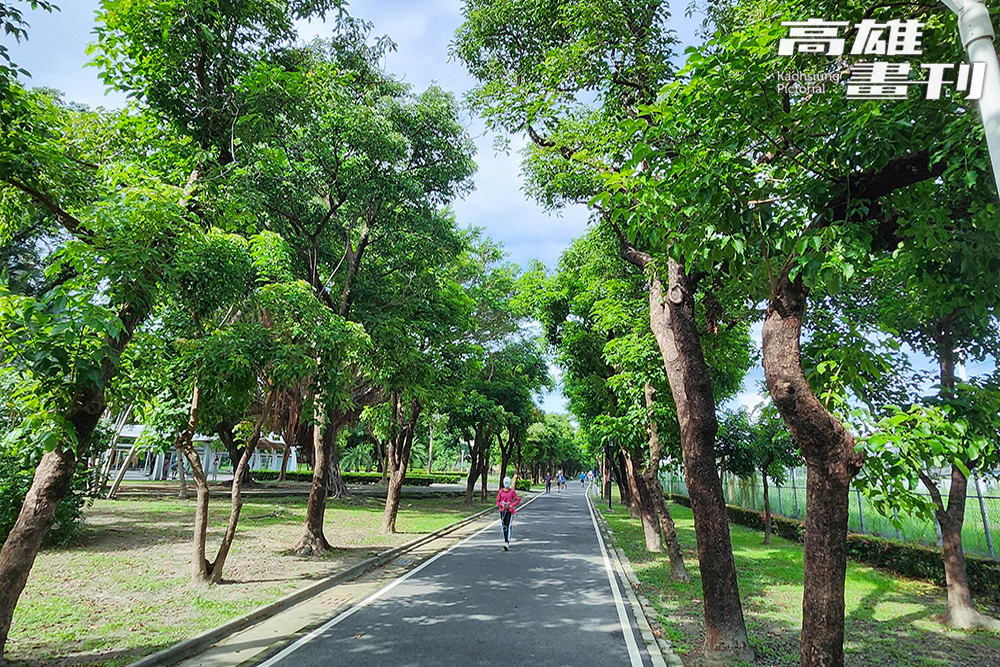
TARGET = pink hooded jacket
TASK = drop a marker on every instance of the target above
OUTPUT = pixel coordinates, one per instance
(508, 496)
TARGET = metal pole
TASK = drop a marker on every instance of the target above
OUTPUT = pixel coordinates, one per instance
(976, 32)
(895, 515)
(986, 520)
(780, 511)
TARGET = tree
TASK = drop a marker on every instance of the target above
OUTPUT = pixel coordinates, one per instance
(593, 313)
(569, 75)
(763, 445)
(552, 442)
(426, 355)
(497, 396)
(932, 292)
(109, 211)
(810, 191)
(200, 64)
(357, 175)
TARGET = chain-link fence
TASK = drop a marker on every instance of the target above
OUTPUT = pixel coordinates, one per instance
(982, 510)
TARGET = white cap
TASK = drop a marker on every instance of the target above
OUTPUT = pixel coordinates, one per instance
(506, 482)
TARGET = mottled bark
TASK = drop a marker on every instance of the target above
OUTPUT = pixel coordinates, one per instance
(49, 485)
(677, 568)
(642, 501)
(672, 318)
(831, 463)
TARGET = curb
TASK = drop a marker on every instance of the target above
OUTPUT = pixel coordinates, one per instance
(640, 604)
(194, 645)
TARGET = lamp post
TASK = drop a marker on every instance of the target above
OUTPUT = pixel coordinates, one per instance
(976, 32)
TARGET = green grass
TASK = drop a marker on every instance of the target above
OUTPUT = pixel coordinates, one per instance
(124, 590)
(914, 529)
(890, 621)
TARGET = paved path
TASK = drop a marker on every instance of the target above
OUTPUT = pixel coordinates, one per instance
(548, 601)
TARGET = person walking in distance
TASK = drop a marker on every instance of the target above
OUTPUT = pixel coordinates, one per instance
(583, 478)
(548, 482)
(507, 500)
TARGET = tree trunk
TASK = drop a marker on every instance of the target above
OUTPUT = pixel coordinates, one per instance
(675, 328)
(49, 486)
(200, 565)
(475, 461)
(336, 487)
(313, 542)
(54, 474)
(182, 492)
(961, 612)
(225, 432)
(304, 441)
(399, 458)
(236, 495)
(470, 484)
(621, 479)
(506, 450)
(651, 474)
(628, 475)
(831, 463)
(643, 501)
(767, 509)
(284, 462)
(484, 471)
(606, 475)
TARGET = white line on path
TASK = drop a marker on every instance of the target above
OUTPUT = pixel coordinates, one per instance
(633, 648)
(379, 593)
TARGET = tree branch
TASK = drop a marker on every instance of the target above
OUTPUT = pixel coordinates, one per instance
(72, 224)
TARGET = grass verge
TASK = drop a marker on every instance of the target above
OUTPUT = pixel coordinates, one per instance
(889, 620)
(124, 590)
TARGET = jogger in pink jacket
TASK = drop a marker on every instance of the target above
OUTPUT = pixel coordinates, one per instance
(507, 500)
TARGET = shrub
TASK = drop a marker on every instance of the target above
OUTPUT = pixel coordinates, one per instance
(914, 560)
(787, 528)
(909, 560)
(523, 484)
(412, 478)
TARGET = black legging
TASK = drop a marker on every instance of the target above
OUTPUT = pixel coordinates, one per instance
(505, 518)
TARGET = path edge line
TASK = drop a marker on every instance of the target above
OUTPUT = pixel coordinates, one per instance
(641, 607)
(192, 646)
